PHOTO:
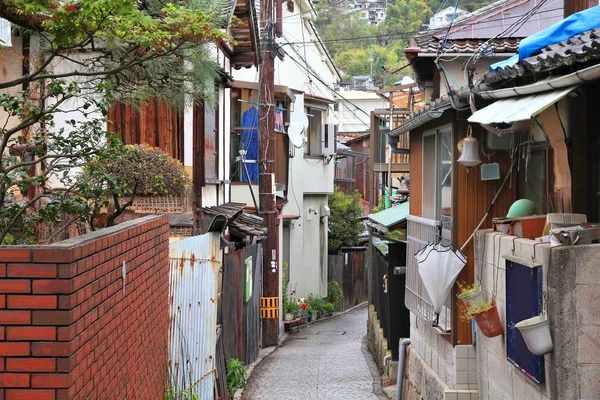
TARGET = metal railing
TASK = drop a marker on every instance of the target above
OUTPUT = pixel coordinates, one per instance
(421, 232)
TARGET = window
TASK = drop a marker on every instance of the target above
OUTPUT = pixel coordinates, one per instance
(315, 121)
(437, 177)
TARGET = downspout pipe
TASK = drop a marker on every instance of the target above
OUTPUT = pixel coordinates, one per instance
(401, 364)
(585, 75)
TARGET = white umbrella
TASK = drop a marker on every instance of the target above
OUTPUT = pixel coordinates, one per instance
(439, 267)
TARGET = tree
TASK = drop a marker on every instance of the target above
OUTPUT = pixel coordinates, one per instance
(407, 16)
(84, 55)
(344, 223)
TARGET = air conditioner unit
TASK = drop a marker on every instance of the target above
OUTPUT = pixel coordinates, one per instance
(328, 134)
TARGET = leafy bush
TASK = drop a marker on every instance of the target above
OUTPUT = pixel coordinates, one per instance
(334, 293)
(329, 307)
(173, 394)
(315, 303)
(130, 171)
(344, 223)
(236, 376)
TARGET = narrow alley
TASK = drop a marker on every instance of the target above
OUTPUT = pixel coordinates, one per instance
(326, 360)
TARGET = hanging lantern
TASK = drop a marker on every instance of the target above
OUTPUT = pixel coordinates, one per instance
(470, 151)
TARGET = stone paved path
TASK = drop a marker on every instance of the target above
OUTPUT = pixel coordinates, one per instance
(327, 360)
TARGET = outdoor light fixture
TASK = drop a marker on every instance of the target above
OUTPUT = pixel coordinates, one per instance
(470, 151)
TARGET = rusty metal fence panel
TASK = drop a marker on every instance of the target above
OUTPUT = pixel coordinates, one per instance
(241, 320)
(194, 283)
(421, 232)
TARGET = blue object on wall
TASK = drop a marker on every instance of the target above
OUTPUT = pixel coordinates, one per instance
(523, 301)
(250, 143)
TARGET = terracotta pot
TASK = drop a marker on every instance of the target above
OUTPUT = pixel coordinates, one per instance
(489, 322)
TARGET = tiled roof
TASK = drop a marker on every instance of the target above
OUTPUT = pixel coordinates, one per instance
(577, 51)
(488, 22)
(509, 45)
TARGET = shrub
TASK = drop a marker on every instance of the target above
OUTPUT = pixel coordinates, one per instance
(344, 223)
(314, 303)
(236, 376)
(329, 307)
(334, 293)
(130, 171)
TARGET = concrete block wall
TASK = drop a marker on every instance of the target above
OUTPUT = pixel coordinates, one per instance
(571, 279)
(438, 369)
(71, 327)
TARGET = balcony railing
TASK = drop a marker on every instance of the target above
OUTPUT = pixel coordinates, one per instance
(421, 232)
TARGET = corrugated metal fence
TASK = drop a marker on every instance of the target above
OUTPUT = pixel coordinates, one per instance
(241, 319)
(194, 283)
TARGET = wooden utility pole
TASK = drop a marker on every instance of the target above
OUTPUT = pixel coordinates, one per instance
(573, 6)
(266, 156)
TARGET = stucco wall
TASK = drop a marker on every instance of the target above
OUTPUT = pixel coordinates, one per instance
(571, 278)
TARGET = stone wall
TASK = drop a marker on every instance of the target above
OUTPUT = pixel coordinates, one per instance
(71, 326)
(571, 278)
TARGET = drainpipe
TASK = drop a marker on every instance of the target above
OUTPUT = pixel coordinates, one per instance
(401, 361)
(385, 360)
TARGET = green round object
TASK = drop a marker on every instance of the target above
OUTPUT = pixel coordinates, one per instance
(522, 208)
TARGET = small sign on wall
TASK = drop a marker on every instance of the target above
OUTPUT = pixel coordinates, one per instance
(248, 284)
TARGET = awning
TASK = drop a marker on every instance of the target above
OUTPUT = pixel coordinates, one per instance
(390, 217)
(517, 109)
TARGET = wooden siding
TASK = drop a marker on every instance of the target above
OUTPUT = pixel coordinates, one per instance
(471, 198)
(154, 124)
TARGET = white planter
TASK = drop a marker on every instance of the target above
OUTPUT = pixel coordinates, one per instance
(536, 333)
(288, 316)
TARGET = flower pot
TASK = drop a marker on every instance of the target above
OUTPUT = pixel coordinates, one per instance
(288, 316)
(536, 333)
(489, 322)
(473, 300)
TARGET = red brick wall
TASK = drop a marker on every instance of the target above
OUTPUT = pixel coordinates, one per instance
(67, 330)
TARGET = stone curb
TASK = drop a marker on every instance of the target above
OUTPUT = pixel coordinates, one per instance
(263, 353)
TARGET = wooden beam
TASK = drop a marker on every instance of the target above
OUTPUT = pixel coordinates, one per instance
(396, 88)
(574, 6)
(399, 168)
(387, 111)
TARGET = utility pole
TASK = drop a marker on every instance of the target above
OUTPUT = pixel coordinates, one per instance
(574, 6)
(266, 188)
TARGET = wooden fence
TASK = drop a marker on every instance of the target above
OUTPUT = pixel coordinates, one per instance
(350, 270)
(239, 318)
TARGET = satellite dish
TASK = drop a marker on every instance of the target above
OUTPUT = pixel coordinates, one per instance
(296, 135)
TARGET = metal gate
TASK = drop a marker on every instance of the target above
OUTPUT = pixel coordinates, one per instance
(194, 283)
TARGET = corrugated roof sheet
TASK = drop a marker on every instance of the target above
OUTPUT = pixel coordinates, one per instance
(392, 216)
(578, 50)
(517, 109)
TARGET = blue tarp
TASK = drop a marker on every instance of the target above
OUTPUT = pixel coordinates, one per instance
(250, 143)
(563, 30)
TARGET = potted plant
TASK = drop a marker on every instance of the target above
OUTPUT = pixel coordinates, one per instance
(328, 307)
(290, 310)
(487, 318)
(471, 294)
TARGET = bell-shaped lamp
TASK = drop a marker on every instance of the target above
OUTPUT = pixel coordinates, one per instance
(470, 152)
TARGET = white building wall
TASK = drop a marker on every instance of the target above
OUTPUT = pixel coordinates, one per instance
(310, 179)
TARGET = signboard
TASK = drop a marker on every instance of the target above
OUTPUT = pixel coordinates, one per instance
(248, 281)
(279, 123)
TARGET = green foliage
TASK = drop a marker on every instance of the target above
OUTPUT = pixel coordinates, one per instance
(344, 223)
(290, 305)
(236, 376)
(328, 307)
(173, 394)
(398, 234)
(119, 50)
(315, 303)
(334, 293)
(407, 15)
